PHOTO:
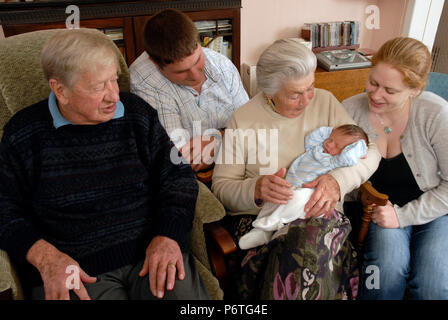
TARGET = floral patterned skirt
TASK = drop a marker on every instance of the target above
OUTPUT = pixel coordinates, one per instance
(307, 260)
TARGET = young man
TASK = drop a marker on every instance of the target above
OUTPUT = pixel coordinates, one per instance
(194, 89)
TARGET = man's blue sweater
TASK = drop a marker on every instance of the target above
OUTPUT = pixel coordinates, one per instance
(98, 193)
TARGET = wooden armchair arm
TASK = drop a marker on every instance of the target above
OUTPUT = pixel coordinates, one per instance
(369, 197)
(219, 244)
(205, 176)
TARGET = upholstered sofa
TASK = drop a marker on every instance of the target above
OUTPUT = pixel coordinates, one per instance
(22, 83)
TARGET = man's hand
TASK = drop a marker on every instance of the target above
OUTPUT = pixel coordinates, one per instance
(385, 216)
(273, 188)
(324, 198)
(52, 265)
(163, 259)
(200, 152)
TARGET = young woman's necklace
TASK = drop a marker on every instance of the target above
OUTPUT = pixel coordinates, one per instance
(387, 129)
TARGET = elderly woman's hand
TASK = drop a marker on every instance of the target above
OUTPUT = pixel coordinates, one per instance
(325, 196)
(273, 188)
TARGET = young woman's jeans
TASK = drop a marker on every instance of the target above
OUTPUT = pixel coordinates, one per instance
(415, 257)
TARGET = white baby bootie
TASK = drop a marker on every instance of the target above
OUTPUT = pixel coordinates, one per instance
(285, 213)
(254, 238)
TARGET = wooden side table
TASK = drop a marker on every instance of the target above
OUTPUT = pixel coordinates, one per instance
(343, 84)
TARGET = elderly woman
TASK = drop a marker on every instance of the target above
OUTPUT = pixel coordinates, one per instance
(92, 206)
(310, 258)
(407, 238)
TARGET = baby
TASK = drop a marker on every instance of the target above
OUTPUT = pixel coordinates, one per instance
(325, 149)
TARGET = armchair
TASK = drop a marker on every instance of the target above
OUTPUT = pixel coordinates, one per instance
(22, 83)
(438, 83)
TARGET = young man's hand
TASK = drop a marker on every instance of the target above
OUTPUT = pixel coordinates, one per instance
(200, 152)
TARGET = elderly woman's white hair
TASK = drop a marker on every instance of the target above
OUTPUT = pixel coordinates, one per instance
(69, 53)
(284, 60)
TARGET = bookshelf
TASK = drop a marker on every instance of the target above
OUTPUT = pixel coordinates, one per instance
(125, 42)
(124, 20)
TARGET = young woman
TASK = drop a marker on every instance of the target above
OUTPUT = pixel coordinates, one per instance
(407, 238)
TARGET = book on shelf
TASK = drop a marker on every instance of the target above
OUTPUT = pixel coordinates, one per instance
(220, 26)
(218, 44)
(334, 34)
(213, 34)
(114, 34)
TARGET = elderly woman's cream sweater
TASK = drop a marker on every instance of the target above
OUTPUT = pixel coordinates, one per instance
(268, 141)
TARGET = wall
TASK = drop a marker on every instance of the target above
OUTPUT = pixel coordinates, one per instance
(392, 15)
(264, 21)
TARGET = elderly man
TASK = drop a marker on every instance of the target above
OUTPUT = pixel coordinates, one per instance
(89, 197)
(195, 90)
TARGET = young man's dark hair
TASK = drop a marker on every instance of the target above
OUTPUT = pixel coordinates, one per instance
(170, 36)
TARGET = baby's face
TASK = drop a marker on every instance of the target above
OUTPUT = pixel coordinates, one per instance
(336, 142)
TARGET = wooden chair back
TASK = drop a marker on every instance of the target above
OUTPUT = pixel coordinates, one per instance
(369, 198)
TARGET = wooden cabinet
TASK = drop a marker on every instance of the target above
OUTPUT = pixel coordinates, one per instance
(344, 83)
(113, 16)
(126, 45)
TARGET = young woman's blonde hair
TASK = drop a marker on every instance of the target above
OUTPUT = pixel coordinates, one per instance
(410, 57)
(71, 52)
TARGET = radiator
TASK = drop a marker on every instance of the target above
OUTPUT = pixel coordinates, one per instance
(249, 78)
